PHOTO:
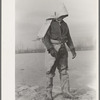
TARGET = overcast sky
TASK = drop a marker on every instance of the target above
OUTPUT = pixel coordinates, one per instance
(30, 15)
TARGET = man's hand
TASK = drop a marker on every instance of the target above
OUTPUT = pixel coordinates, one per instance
(73, 55)
(53, 52)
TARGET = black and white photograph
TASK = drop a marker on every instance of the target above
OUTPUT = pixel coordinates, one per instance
(56, 49)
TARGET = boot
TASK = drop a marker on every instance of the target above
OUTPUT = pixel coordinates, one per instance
(49, 96)
(65, 87)
(49, 88)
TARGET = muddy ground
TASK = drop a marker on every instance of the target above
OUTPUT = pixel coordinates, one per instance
(30, 76)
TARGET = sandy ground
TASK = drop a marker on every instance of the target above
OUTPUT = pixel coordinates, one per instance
(30, 76)
(25, 92)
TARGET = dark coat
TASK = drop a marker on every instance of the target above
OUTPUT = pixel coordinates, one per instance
(58, 32)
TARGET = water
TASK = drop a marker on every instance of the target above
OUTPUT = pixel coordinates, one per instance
(30, 69)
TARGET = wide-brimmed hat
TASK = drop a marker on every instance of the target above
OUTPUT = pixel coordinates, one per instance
(60, 12)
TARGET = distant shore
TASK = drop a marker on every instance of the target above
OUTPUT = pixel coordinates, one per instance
(20, 51)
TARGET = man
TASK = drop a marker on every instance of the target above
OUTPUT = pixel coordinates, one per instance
(55, 40)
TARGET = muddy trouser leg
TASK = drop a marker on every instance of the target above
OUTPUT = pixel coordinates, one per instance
(65, 86)
(50, 75)
(49, 86)
(64, 77)
(49, 62)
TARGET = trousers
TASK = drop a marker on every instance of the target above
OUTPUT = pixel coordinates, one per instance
(60, 63)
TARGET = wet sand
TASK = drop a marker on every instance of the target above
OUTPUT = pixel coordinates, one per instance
(31, 80)
(30, 69)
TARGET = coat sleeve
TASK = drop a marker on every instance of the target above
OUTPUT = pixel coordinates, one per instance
(46, 40)
(70, 42)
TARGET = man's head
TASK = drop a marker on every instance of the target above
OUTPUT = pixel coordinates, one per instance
(61, 17)
(58, 18)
